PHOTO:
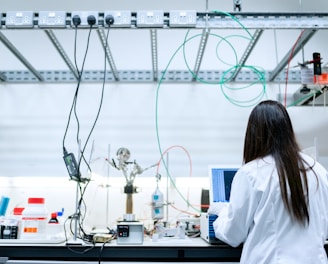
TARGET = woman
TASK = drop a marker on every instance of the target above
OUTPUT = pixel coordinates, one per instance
(278, 205)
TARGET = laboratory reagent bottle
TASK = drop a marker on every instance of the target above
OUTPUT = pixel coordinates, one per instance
(34, 219)
(157, 204)
(55, 228)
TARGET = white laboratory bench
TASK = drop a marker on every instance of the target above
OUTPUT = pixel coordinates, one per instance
(164, 250)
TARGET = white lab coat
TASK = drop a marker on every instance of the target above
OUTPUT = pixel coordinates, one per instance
(257, 217)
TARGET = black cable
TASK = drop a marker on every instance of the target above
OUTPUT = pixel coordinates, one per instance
(76, 22)
(78, 215)
(75, 112)
(102, 249)
(74, 103)
(102, 93)
(74, 98)
(82, 216)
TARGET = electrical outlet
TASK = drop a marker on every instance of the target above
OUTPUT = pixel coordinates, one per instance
(55, 19)
(19, 19)
(179, 18)
(150, 18)
(84, 18)
(121, 18)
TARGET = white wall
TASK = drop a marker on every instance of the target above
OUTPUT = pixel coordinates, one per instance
(197, 117)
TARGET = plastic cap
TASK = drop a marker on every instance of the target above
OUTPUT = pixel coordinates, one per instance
(36, 200)
(18, 210)
(54, 215)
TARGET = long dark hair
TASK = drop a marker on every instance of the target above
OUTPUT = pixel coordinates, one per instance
(270, 132)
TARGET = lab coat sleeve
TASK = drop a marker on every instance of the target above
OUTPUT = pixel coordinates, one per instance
(216, 208)
(235, 220)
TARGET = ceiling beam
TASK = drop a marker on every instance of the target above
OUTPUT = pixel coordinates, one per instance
(3, 77)
(108, 54)
(303, 39)
(217, 19)
(154, 53)
(200, 53)
(61, 52)
(20, 57)
(256, 36)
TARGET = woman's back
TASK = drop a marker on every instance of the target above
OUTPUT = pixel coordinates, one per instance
(257, 217)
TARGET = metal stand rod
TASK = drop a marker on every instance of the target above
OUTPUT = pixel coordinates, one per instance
(129, 203)
(75, 219)
(167, 187)
(107, 189)
(76, 211)
(76, 215)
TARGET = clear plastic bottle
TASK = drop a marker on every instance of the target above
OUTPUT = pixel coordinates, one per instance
(157, 204)
(17, 218)
(34, 219)
(11, 225)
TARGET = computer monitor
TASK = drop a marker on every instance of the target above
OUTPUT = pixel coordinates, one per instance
(221, 177)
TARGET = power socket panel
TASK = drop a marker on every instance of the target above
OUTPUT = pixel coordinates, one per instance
(179, 18)
(19, 19)
(52, 19)
(121, 18)
(84, 18)
(150, 18)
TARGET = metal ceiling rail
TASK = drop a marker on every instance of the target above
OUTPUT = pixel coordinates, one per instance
(256, 36)
(200, 53)
(265, 20)
(304, 38)
(310, 22)
(145, 76)
(3, 77)
(19, 56)
(108, 53)
(61, 51)
(154, 53)
(223, 20)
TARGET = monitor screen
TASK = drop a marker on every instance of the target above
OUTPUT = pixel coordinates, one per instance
(220, 182)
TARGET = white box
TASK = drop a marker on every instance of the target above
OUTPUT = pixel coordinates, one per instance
(130, 233)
